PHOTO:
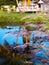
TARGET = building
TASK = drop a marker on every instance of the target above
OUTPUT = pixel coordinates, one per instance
(28, 5)
(46, 5)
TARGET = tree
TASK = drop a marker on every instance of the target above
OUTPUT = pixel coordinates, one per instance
(7, 2)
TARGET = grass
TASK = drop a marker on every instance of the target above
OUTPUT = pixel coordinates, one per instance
(23, 17)
(11, 17)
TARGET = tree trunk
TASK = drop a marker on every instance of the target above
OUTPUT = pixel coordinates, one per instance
(16, 3)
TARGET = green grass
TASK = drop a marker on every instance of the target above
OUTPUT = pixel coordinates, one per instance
(12, 17)
(22, 17)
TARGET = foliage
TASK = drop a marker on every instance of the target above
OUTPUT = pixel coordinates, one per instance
(7, 2)
(15, 18)
(29, 28)
(21, 17)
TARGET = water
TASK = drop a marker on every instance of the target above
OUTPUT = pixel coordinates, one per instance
(14, 35)
(11, 34)
(2, 60)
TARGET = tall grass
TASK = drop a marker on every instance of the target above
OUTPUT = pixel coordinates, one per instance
(22, 17)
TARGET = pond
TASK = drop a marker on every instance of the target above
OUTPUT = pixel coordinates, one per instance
(11, 34)
(2, 60)
(14, 35)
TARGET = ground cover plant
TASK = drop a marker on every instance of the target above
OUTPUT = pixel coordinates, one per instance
(7, 18)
